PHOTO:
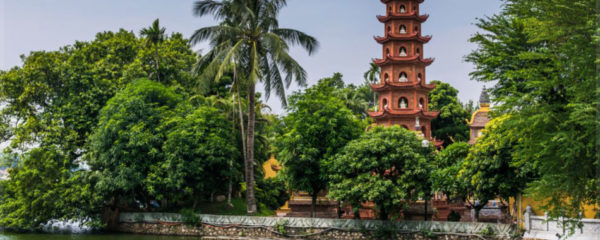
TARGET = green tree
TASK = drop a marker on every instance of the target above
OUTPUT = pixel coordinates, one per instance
(318, 125)
(386, 166)
(154, 36)
(542, 55)
(45, 187)
(490, 171)
(371, 77)
(450, 125)
(197, 154)
(447, 165)
(53, 101)
(249, 36)
(127, 143)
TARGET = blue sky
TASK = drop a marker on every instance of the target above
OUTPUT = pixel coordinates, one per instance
(345, 29)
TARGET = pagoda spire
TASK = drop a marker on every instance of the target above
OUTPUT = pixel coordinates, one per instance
(403, 90)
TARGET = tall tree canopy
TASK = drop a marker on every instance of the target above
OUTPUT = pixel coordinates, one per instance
(50, 108)
(447, 166)
(450, 125)
(249, 38)
(386, 166)
(543, 57)
(318, 125)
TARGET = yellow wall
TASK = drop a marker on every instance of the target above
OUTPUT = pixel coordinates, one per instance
(589, 210)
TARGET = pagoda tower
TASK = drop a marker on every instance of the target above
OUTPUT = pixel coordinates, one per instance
(403, 91)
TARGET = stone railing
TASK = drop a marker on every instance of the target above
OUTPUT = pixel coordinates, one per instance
(501, 231)
(543, 227)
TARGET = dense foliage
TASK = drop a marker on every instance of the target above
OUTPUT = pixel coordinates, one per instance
(450, 125)
(386, 166)
(317, 126)
(543, 57)
(448, 164)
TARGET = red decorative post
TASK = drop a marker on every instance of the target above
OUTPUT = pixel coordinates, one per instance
(403, 90)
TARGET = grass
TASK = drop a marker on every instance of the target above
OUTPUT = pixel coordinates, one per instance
(239, 208)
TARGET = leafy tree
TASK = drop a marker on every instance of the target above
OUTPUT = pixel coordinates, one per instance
(489, 169)
(371, 77)
(318, 125)
(154, 35)
(43, 188)
(542, 54)
(249, 36)
(197, 154)
(387, 166)
(127, 143)
(447, 165)
(53, 101)
(450, 125)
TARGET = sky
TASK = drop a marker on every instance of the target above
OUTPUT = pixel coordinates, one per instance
(344, 28)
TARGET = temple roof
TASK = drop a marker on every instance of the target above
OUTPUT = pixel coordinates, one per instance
(414, 59)
(404, 113)
(402, 85)
(403, 16)
(403, 37)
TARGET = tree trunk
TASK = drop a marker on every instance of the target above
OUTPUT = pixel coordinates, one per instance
(425, 217)
(313, 205)
(250, 199)
(383, 215)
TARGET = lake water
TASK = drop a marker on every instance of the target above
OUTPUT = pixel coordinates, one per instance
(6, 236)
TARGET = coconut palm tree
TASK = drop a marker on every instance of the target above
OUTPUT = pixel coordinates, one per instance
(372, 77)
(154, 35)
(249, 37)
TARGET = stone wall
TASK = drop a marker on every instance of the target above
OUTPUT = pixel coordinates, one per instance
(290, 233)
(302, 228)
(542, 227)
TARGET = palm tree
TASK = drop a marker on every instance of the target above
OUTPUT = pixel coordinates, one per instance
(372, 77)
(249, 36)
(154, 35)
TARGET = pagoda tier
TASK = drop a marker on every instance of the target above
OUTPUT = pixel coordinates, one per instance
(402, 85)
(403, 16)
(403, 37)
(403, 113)
(403, 60)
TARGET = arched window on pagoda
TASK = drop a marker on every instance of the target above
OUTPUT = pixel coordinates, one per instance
(418, 51)
(402, 29)
(386, 77)
(389, 30)
(385, 104)
(424, 131)
(419, 77)
(403, 103)
(402, 9)
(403, 52)
(403, 77)
(416, 29)
(421, 103)
(387, 52)
(389, 10)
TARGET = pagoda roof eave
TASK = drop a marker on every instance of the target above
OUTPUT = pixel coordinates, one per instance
(402, 16)
(403, 114)
(397, 85)
(400, 60)
(394, 37)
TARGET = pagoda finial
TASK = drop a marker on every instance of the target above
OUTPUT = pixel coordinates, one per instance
(484, 99)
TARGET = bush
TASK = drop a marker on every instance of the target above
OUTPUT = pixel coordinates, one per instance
(190, 217)
(272, 192)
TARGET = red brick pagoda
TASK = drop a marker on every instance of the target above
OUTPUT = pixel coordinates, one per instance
(403, 91)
